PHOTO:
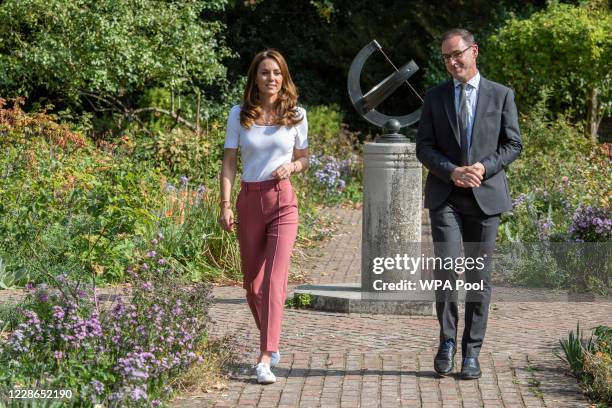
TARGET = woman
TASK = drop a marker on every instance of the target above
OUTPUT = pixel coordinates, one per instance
(271, 132)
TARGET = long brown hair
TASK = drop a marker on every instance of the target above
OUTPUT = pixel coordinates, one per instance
(285, 107)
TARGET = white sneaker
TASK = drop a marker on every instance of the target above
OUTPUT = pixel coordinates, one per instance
(264, 375)
(274, 359)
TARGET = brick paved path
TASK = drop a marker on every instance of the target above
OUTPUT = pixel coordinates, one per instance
(352, 360)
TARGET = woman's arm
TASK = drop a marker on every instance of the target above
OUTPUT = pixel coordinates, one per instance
(227, 177)
(300, 162)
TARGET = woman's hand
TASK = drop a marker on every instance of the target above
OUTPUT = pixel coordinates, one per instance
(284, 171)
(226, 219)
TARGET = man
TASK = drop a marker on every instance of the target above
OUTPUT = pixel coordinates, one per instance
(468, 135)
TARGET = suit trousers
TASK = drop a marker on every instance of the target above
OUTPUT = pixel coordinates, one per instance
(267, 228)
(457, 223)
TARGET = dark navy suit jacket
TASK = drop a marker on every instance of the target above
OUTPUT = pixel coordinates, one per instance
(496, 142)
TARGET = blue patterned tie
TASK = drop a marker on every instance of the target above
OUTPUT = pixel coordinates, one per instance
(463, 126)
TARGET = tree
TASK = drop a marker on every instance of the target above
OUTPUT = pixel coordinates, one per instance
(565, 49)
(106, 50)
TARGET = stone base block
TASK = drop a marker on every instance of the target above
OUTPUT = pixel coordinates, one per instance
(347, 298)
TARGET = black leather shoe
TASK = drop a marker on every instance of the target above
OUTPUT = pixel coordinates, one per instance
(444, 361)
(470, 370)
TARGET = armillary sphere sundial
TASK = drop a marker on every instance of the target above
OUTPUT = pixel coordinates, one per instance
(366, 104)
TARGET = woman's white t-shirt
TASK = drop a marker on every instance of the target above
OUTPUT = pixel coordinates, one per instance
(264, 148)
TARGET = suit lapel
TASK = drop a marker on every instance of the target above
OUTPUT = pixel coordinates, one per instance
(484, 97)
(449, 106)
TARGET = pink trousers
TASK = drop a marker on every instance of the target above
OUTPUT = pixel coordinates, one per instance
(267, 227)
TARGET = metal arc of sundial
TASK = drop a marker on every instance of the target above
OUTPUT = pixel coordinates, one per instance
(366, 104)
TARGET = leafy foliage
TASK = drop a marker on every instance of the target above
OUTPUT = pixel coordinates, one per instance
(71, 206)
(113, 47)
(299, 301)
(334, 175)
(66, 206)
(567, 169)
(194, 243)
(590, 360)
(564, 48)
(543, 235)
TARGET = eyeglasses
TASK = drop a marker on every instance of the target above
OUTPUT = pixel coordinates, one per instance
(455, 55)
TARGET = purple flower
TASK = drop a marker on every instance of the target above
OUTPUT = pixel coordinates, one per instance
(116, 396)
(184, 180)
(201, 189)
(591, 224)
(154, 241)
(29, 286)
(43, 297)
(118, 310)
(161, 261)
(58, 355)
(519, 200)
(58, 312)
(140, 375)
(97, 386)
(151, 254)
(144, 266)
(138, 394)
(328, 170)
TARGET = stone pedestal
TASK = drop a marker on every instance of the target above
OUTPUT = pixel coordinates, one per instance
(392, 205)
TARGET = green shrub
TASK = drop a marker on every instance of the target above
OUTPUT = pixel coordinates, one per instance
(180, 152)
(325, 135)
(67, 206)
(334, 175)
(80, 211)
(299, 301)
(193, 240)
(590, 360)
(536, 267)
(564, 48)
(557, 171)
(554, 149)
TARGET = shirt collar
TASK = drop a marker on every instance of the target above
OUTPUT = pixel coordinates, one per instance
(474, 81)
